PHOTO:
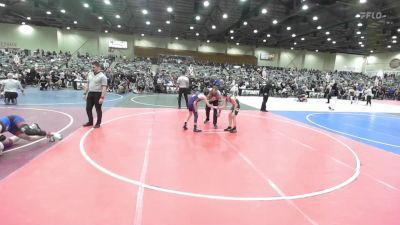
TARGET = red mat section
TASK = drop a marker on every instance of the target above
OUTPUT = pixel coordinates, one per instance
(270, 156)
(54, 119)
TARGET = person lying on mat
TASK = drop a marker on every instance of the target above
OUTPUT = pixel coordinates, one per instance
(193, 108)
(234, 111)
(17, 126)
(7, 142)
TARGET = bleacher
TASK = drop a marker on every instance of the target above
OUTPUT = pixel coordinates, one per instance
(137, 75)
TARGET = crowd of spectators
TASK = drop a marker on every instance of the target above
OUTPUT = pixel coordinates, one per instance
(48, 70)
(54, 70)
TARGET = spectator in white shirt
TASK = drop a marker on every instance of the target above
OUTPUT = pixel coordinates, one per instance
(10, 88)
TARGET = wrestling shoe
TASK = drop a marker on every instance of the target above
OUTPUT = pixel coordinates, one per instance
(87, 124)
(35, 126)
(228, 129)
(196, 130)
(55, 137)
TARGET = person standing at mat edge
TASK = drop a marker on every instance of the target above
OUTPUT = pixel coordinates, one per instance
(369, 95)
(334, 96)
(264, 91)
(182, 86)
(95, 91)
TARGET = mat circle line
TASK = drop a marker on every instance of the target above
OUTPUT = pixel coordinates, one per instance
(149, 104)
(220, 197)
(71, 121)
(347, 134)
(69, 103)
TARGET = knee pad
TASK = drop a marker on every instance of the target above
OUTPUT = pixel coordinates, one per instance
(196, 116)
(8, 143)
(32, 132)
(34, 126)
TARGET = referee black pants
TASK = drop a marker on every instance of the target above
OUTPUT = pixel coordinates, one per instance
(215, 113)
(264, 103)
(10, 97)
(93, 100)
(369, 98)
(183, 91)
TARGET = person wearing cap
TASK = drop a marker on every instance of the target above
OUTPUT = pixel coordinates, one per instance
(10, 87)
(264, 92)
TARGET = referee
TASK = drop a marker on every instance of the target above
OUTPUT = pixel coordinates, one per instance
(264, 91)
(95, 92)
(182, 85)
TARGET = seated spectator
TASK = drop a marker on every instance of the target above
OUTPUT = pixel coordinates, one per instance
(10, 88)
(301, 95)
(43, 83)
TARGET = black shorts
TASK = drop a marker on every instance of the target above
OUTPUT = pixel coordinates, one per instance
(10, 95)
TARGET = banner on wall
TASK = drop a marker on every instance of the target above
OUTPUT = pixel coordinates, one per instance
(266, 56)
(118, 44)
(394, 63)
(8, 44)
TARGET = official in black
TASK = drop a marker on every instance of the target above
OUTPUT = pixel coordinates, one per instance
(182, 86)
(264, 92)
